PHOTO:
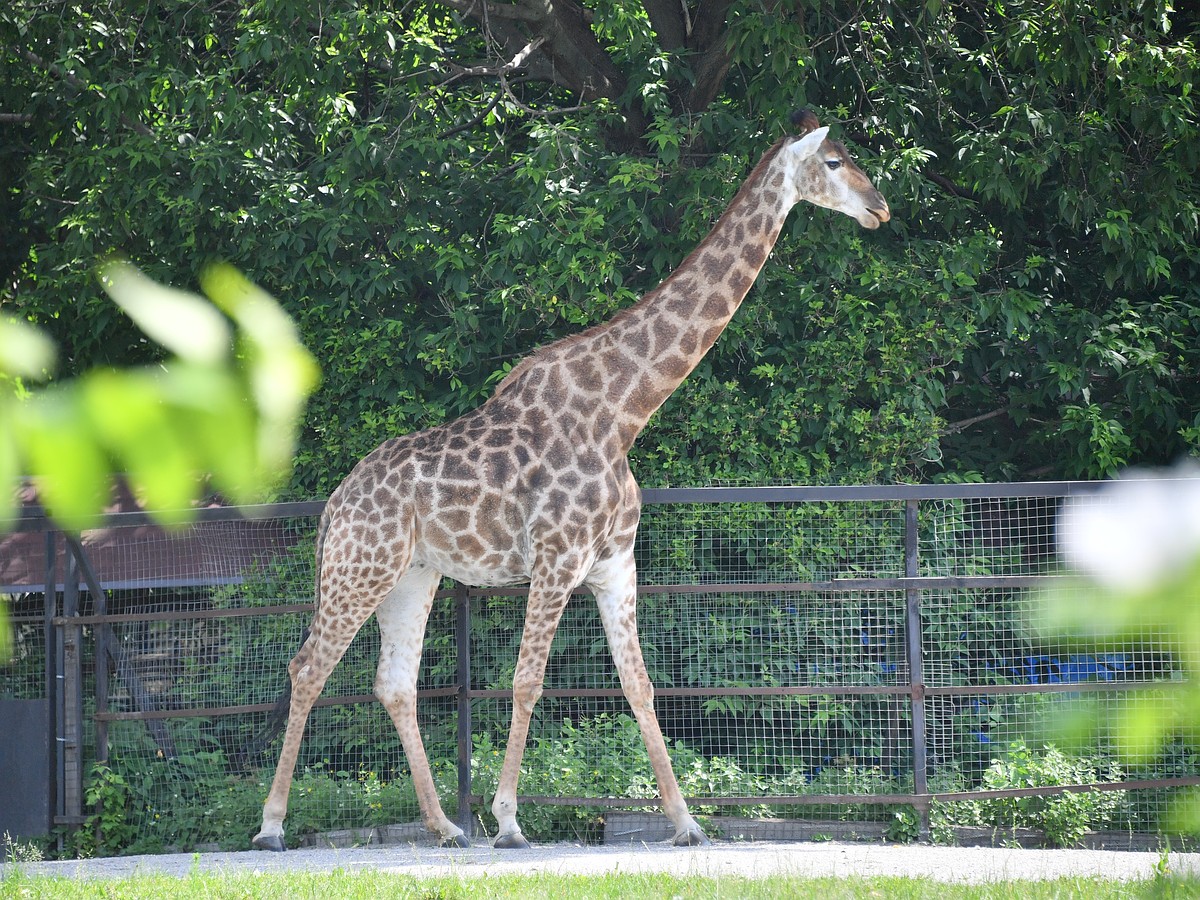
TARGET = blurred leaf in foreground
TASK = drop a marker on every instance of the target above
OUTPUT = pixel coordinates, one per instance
(282, 373)
(225, 405)
(24, 350)
(1134, 548)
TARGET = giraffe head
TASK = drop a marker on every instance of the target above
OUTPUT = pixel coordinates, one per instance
(824, 174)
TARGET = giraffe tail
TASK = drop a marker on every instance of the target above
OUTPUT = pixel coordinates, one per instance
(248, 758)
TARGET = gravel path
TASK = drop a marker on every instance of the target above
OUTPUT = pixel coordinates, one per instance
(952, 864)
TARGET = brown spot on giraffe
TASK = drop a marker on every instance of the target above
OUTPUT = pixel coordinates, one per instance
(665, 335)
(675, 367)
(739, 280)
(754, 255)
(718, 303)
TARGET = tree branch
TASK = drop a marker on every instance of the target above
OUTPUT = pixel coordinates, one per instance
(941, 181)
(554, 41)
(537, 113)
(574, 51)
(493, 71)
(709, 29)
(670, 21)
(949, 186)
(509, 29)
(475, 9)
(467, 126)
(963, 424)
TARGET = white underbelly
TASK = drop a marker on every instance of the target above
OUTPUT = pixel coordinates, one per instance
(511, 569)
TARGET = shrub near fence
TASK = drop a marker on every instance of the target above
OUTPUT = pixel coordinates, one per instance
(839, 655)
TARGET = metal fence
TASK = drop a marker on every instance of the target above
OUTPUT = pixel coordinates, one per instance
(843, 659)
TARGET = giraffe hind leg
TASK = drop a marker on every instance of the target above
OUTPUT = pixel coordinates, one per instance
(309, 669)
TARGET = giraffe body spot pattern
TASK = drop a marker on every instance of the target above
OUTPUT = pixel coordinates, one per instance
(534, 487)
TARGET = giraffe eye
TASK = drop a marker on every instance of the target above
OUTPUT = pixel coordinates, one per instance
(833, 163)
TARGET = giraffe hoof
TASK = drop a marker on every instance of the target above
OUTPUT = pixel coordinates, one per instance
(514, 841)
(693, 837)
(458, 840)
(272, 842)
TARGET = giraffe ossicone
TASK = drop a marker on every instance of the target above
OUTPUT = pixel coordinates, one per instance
(534, 487)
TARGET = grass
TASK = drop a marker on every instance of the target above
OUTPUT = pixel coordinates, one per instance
(342, 885)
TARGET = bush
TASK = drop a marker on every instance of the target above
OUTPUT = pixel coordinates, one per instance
(324, 800)
(1064, 818)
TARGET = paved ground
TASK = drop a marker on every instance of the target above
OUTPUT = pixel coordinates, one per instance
(956, 864)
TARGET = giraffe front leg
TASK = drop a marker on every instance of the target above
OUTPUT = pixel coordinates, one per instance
(616, 595)
(504, 804)
(541, 621)
(402, 618)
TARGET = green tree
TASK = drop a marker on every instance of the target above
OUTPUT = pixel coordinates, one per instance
(435, 188)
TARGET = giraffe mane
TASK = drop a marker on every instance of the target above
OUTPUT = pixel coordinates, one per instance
(516, 372)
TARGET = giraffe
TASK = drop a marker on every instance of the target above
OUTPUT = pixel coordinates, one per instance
(534, 487)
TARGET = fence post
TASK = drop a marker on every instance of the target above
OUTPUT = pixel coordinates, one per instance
(462, 639)
(107, 649)
(70, 739)
(916, 665)
(101, 636)
(53, 671)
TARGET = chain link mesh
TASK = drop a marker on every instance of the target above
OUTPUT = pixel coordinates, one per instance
(777, 689)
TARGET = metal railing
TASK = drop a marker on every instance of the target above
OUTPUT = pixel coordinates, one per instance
(1000, 540)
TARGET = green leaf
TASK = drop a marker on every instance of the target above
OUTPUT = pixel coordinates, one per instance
(128, 413)
(210, 407)
(283, 373)
(69, 468)
(24, 350)
(9, 460)
(184, 323)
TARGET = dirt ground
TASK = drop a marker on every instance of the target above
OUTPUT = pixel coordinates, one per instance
(722, 859)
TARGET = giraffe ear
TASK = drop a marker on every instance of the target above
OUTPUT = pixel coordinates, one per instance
(809, 144)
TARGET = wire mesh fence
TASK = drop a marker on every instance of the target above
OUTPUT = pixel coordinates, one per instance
(851, 659)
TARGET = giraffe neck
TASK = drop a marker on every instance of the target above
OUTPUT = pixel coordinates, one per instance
(610, 379)
(671, 328)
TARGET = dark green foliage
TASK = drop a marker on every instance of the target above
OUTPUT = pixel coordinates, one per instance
(1030, 311)
(148, 804)
(112, 827)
